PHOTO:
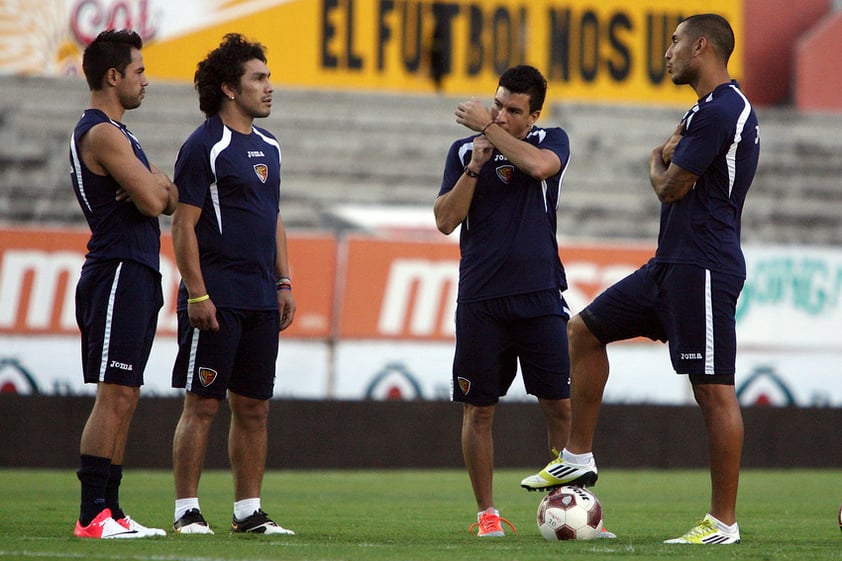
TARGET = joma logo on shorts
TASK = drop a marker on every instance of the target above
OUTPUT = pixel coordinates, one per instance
(120, 365)
(691, 356)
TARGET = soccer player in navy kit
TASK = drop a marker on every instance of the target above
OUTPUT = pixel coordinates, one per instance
(687, 294)
(119, 294)
(502, 186)
(236, 293)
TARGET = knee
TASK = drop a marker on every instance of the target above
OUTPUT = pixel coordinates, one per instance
(579, 335)
(478, 417)
(120, 400)
(556, 411)
(563, 411)
(200, 408)
(251, 411)
(715, 397)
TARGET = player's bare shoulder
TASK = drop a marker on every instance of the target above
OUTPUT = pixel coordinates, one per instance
(100, 144)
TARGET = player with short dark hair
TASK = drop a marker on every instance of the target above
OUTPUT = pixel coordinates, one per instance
(119, 291)
(687, 294)
(502, 186)
(111, 49)
(236, 293)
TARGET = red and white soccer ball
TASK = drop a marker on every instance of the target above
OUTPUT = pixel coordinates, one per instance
(570, 513)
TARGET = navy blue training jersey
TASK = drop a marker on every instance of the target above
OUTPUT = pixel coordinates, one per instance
(235, 179)
(721, 144)
(508, 240)
(119, 231)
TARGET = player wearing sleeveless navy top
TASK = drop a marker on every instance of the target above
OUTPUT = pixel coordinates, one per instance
(502, 187)
(118, 230)
(236, 293)
(123, 260)
(687, 294)
(119, 294)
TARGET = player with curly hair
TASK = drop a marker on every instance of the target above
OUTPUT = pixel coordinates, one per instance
(236, 293)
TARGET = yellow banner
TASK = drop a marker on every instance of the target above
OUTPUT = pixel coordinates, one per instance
(611, 50)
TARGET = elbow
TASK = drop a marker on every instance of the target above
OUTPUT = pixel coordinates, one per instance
(446, 230)
(160, 205)
(151, 210)
(179, 227)
(667, 197)
(167, 207)
(669, 194)
(172, 204)
(172, 200)
(444, 220)
(444, 226)
(542, 172)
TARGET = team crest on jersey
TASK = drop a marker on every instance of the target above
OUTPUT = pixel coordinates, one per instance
(262, 171)
(505, 173)
(207, 376)
(464, 385)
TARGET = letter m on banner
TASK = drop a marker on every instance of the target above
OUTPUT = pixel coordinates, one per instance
(34, 284)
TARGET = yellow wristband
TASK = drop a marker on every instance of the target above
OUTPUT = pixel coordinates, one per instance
(198, 299)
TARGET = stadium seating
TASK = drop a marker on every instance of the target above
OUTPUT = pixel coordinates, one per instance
(389, 149)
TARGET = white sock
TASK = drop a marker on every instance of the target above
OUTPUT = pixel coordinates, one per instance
(183, 505)
(733, 528)
(245, 508)
(568, 456)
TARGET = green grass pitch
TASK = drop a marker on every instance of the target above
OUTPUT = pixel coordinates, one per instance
(424, 515)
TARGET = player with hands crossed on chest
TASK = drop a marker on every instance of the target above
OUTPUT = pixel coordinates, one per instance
(502, 187)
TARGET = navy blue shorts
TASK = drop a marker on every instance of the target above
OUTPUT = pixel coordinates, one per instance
(492, 335)
(117, 305)
(692, 308)
(240, 357)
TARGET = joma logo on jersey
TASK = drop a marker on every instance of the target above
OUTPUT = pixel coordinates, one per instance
(207, 376)
(120, 365)
(255, 154)
(691, 356)
(262, 171)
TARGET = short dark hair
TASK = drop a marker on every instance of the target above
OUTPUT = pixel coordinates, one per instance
(224, 65)
(110, 49)
(715, 29)
(525, 79)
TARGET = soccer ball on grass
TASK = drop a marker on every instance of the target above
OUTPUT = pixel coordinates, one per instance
(570, 513)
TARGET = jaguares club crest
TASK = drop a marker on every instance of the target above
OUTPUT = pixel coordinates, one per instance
(262, 171)
(464, 385)
(505, 173)
(207, 376)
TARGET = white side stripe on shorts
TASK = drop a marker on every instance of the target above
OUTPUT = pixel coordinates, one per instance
(109, 318)
(191, 364)
(709, 336)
